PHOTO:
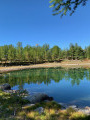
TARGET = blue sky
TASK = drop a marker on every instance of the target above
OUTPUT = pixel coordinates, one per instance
(31, 22)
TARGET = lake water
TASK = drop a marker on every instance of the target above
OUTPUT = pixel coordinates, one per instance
(69, 86)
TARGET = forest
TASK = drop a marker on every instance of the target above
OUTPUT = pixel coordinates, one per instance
(19, 55)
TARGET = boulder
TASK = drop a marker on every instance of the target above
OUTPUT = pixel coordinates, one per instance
(38, 97)
(5, 86)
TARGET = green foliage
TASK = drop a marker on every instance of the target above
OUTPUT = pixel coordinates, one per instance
(55, 53)
(10, 104)
(11, 53)
(88, 52)
(70, 110)
(19, 51)
(1, 53)
(41, 54)
(64, 6)
(76, 52)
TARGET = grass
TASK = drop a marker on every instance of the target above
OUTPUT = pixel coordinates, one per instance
(13, 107)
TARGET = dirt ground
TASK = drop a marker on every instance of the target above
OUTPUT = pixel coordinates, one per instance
(66, 64)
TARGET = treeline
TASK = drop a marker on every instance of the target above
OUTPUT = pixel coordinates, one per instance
(40, 54)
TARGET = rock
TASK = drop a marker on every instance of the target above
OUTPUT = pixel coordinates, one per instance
(46, 101)
(88, 108)
(85, 111)
(40, 110)
(5, 86)
(64, 106)
(10, 91)
(27, 106)
(1, 74)
(38, 97)
(30, 105)
(73, 106)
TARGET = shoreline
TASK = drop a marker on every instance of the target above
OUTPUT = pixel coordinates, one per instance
(38, 98)
(65, 64)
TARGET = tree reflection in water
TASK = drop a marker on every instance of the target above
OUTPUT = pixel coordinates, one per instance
(45, 75)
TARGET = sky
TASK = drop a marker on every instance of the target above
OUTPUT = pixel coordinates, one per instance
(31, 22)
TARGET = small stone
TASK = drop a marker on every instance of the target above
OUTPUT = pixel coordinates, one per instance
(40, 110)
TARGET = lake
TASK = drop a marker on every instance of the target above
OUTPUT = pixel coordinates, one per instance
(69, 86)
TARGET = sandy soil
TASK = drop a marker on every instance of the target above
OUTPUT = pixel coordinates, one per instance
(66, 64)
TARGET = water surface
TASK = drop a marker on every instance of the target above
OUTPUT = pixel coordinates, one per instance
(70, 86)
